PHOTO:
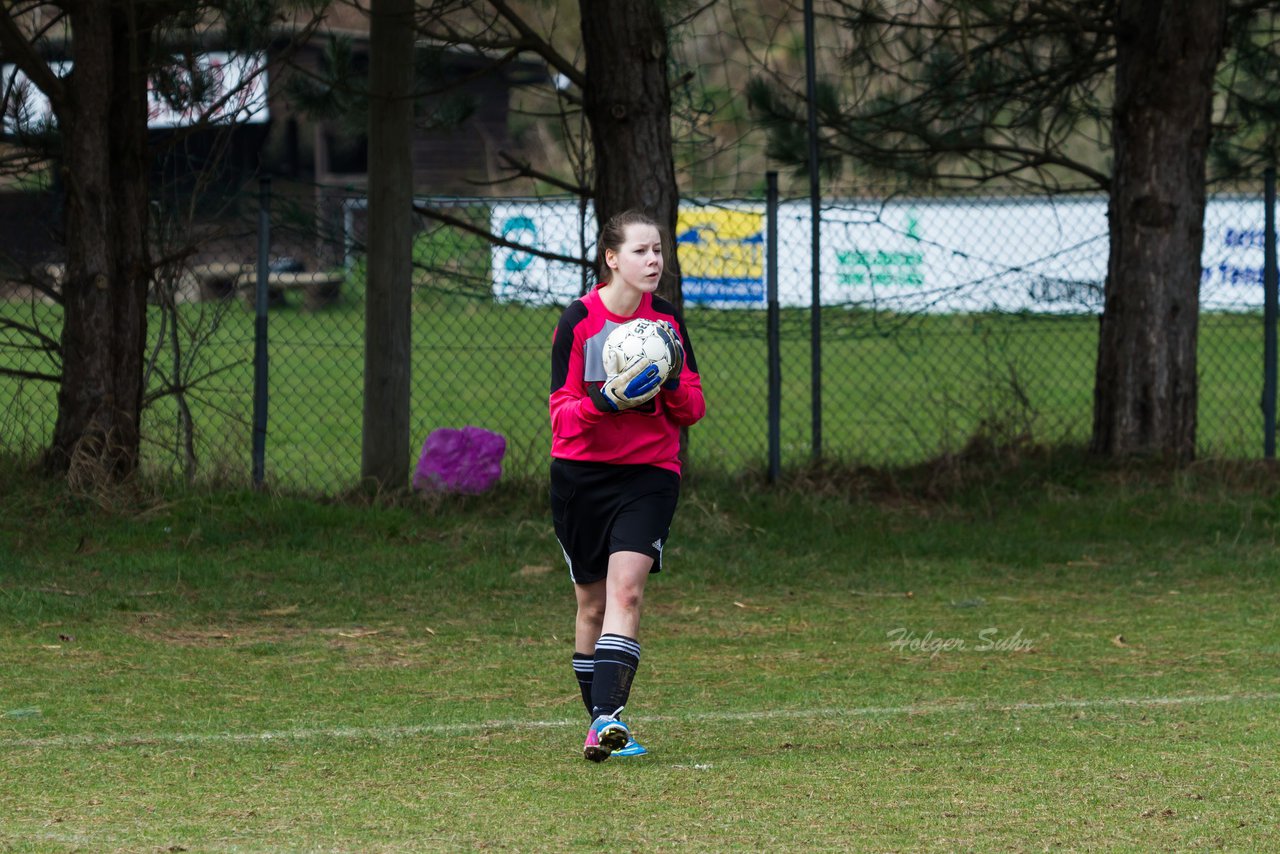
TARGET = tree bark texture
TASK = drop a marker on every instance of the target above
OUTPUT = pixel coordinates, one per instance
(388, 303)
(108, 271)
(627, 103)
(1145, 390)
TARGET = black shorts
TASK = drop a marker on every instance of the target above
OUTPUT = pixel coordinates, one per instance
(601, 508)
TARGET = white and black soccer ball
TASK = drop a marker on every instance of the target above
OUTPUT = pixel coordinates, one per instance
(636, 339)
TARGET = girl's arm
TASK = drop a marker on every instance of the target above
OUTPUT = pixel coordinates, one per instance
(685, 403)
(572, 411)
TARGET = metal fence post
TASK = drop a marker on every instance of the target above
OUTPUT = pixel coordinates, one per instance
(815, 218)
(775, 355)
(1269, 310)
(260, 334)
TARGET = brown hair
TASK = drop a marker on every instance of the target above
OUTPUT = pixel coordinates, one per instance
(614, 234)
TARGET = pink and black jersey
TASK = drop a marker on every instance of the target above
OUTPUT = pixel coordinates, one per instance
(648, 434)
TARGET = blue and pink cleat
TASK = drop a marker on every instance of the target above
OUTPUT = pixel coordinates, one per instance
(632, 748)
(605, 737)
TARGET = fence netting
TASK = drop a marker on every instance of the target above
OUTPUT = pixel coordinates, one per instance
(944, 321)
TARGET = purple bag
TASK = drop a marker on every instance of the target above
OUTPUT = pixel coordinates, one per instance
(468, 461)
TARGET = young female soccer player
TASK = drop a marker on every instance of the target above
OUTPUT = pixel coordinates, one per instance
(615, 468)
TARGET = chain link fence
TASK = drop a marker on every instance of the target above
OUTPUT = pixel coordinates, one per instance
(944, 322)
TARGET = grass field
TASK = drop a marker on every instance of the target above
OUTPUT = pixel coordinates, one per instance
(1035, 655)
(896, 390)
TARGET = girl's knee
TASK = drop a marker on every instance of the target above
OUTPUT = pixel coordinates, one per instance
(627, 598)
(591, 611)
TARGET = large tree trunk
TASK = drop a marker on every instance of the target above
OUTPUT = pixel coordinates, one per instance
(108, 268)
(1145, 388)
(388, 303)
(627, 102)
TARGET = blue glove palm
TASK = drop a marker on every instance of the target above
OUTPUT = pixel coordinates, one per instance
(634, 385)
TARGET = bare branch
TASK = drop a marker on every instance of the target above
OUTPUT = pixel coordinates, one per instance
(496, 240)
(188, 385)
(29, 375)
(14, 44)
(533, 41)
(526, 170)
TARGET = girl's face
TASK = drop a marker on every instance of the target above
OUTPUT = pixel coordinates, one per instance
(638, 261)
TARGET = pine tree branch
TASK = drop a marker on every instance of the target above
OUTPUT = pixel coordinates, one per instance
(22, 53)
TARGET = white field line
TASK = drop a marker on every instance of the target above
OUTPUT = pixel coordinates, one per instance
(463, 728)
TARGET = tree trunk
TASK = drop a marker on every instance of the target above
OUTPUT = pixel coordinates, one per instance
(388, 302)
(108, 271)
(627, 102)
(1145, 389)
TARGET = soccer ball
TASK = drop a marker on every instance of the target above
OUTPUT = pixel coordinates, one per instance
(636, 339)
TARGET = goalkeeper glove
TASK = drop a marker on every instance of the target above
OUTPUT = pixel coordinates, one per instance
(675, 354)
(634, 385)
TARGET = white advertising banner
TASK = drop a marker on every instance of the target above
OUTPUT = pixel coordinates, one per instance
(908, 256)
(555, 228)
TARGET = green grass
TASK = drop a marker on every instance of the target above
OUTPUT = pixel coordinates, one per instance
(240, 672)
(895, 390)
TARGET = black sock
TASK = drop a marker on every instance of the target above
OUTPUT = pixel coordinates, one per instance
(584, 666)
(617, 658)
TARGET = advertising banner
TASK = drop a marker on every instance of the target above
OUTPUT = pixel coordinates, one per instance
(945, 256)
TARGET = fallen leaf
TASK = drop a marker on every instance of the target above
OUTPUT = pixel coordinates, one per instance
(1119, 640)
(359, 633)
(532, 570)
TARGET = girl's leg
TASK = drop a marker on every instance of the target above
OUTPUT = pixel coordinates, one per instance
(590, 619)
(628, 572)
(587, 627)
(617, 651)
